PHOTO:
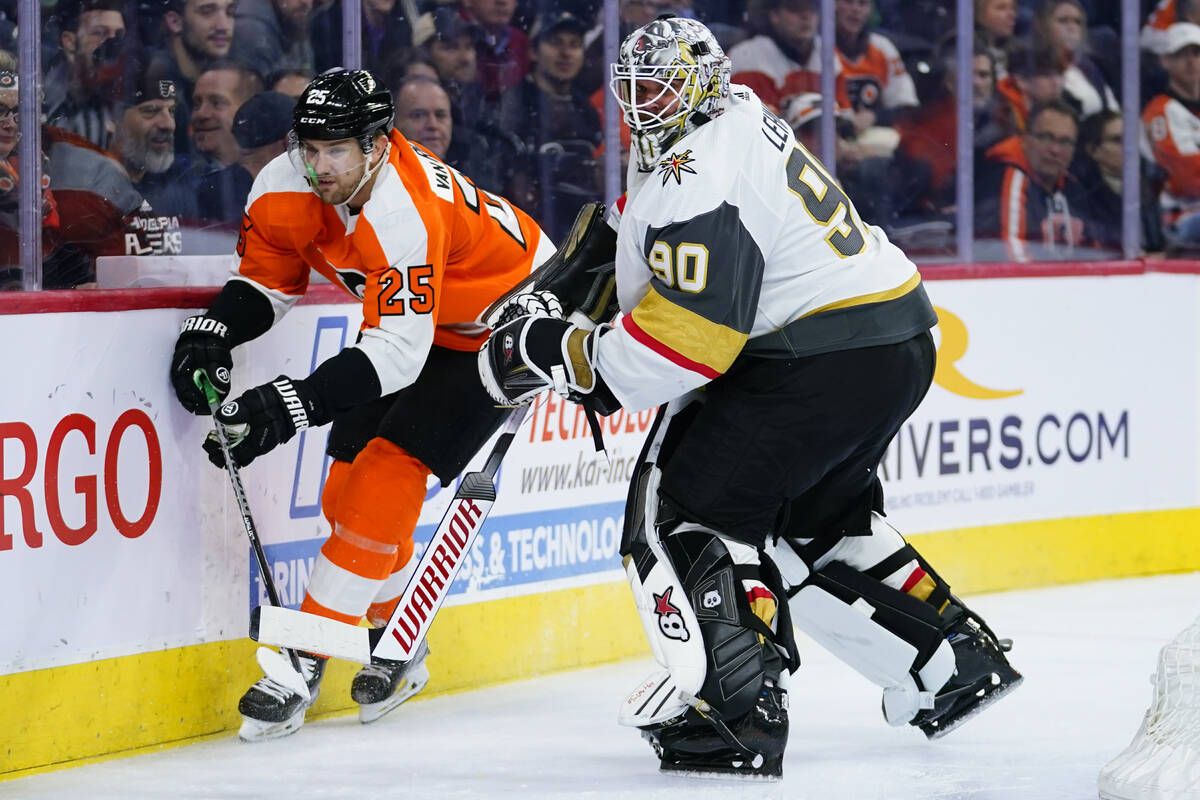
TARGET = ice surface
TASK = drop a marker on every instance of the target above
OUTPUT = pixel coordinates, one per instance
(1086, 652)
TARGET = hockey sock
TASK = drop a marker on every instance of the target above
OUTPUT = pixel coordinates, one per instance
(375, 513)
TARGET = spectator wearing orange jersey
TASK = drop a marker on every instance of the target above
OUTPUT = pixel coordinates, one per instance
(876, 80)
(1172, 125)
(1027, 201)
(425, 251)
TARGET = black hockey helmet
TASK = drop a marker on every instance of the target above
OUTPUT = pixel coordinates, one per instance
(344, 104)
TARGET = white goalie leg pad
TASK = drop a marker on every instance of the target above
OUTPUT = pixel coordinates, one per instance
(673, 632)
(667, 616)
(879, 655)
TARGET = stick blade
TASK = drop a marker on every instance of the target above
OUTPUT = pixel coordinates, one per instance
(297, 630)
(278, 668)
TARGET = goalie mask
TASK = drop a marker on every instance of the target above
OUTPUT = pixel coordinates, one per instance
(670, 78)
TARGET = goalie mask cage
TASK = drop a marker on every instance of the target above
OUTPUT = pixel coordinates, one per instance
(1163, 760)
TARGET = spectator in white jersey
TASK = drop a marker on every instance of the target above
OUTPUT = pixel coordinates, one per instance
(754, 279)
(1172, 124)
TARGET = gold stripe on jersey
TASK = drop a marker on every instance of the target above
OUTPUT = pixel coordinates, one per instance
(873, 297)
(687, 333)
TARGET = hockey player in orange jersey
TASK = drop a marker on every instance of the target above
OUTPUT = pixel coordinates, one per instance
(426, 251)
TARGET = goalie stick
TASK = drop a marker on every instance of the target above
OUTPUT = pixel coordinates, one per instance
(272, 663)
(427, 589)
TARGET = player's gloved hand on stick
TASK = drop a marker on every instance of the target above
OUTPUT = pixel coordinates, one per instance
(268, 416)
(203, 344)
(524, 357)
(538, 304)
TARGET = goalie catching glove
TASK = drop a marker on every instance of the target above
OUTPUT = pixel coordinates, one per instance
(267, 416)
(530, 354)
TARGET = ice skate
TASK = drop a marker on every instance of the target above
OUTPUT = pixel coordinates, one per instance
(270, 710)
(982, 676)
(380, 687)
(694, 745)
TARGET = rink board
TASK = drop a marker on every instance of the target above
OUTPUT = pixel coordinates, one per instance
(1057, 445)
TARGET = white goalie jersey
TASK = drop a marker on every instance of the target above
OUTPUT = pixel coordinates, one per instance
(740, 242)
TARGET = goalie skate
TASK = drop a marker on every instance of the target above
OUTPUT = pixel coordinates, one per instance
(383, 685)
(700, 745)
(271, 710)
(982, 675)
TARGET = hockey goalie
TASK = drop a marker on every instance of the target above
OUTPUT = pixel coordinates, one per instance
(786, 342)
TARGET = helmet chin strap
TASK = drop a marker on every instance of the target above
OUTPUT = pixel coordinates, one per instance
(368, 173)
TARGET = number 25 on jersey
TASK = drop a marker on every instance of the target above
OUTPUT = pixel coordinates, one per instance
(392, 283)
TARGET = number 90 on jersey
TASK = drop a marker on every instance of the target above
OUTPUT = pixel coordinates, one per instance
(684, 267)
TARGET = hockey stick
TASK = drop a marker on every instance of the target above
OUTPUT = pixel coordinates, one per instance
(427, 589)
(270, 661)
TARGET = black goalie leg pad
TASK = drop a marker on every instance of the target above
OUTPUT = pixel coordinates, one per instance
(738, 723)
(982, 674)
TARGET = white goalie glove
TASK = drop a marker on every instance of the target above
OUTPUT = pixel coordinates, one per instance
(530, 354)
(526, 304)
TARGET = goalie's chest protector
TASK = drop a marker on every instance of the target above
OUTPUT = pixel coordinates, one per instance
(738, 209)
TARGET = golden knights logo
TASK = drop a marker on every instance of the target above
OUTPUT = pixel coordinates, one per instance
(675, 165)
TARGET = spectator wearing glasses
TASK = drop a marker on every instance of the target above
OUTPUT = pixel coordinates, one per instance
(1172, 124)
(1100, 173)
(11, 274)
(145, 145)
(1027, 199)
(84, 79)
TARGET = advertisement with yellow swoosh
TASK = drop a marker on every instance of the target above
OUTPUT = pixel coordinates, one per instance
(1051, 398)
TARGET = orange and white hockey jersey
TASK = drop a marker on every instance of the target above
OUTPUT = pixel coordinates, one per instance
(1171, 133)
(876, 77)
(426, 254)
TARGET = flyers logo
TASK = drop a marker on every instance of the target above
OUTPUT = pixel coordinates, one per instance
(953, 348)
(241, 242)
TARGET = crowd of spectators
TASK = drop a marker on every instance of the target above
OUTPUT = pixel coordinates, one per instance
(158, 114)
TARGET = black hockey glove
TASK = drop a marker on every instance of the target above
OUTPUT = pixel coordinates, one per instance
(202, 344)
(268, 416)
(528, 355)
